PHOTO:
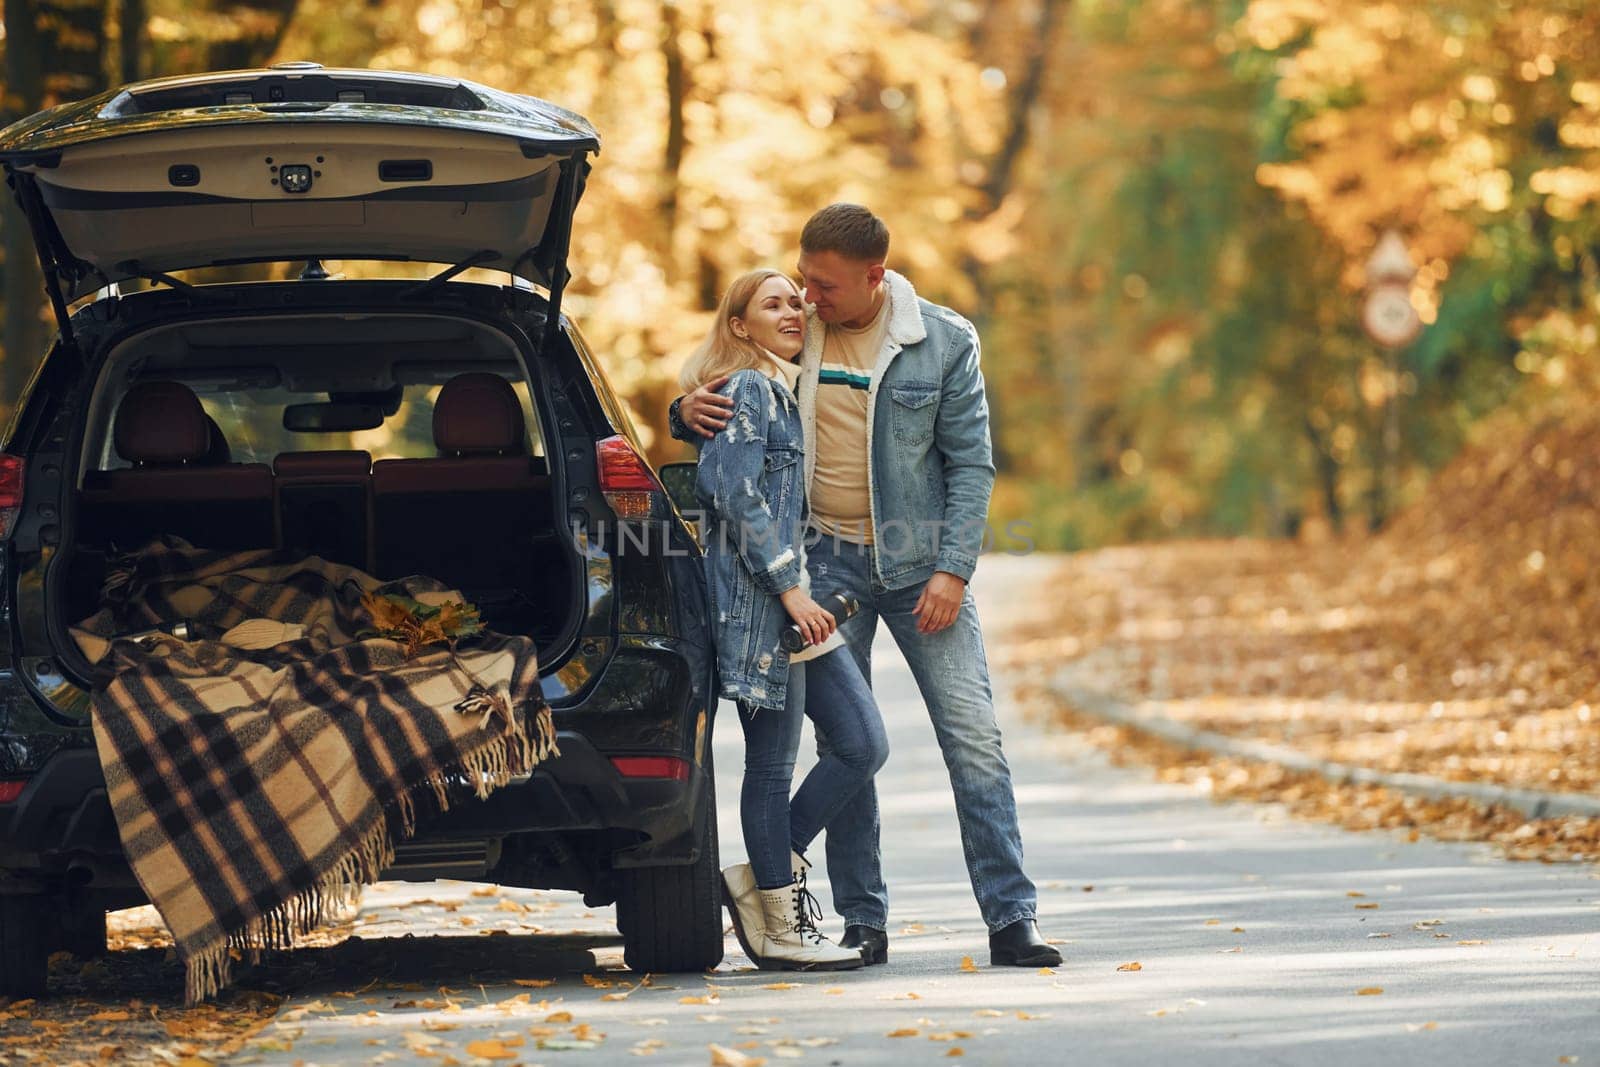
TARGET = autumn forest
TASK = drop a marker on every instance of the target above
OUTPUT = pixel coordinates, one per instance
(1158, 212)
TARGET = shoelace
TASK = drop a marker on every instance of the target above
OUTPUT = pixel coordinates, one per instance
(807, 913)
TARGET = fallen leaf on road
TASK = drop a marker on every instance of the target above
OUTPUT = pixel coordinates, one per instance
(1566, 1059)
(956, 1051)
(1370, 905)
(1238, 929)
(1427, 924)
(781, 985)
(1355, 893)
(558, 1017)
(950, 1035)
(728, 1057)
(1131, 967)
(533, 983)
(989, 1013)
(1213, 922)
(1417, 1027)
(1472, 942)
(1026, 1016)
(1369, 991)
(968, 966)
(1380, 935)
(597, 983)
(907, 1032)
(833, 991)
(438, 1027)
(486, 891)
(709, 998)
(110, 1017)
(1046, 972)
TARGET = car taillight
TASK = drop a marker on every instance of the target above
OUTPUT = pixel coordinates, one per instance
(11, 789)
(10, 493)
(652, 767)
(626, 481)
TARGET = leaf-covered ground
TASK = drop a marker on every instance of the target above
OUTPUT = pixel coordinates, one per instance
(1463, 642)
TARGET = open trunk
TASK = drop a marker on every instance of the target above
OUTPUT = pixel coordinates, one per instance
(452, 482)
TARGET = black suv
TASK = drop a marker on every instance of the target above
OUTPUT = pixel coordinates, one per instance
(454, 428)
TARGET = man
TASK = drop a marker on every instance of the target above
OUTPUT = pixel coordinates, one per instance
(899, 472)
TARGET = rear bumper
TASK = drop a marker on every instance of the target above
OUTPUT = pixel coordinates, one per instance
(63, 816)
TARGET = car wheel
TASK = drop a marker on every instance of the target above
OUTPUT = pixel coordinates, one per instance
(671, 917)
(24, 945)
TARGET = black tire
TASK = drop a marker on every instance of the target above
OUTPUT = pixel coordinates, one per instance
(24, 946)
(671, 917)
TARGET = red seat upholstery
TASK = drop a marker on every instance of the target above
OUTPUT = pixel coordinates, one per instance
(162, 430)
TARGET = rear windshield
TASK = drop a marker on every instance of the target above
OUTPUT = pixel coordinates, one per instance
(252, 423)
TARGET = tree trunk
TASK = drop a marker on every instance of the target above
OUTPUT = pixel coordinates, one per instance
(1001, 174)
(677, 88)
(253, 50)
(55, 52)
(132, 20)
(1327, 470)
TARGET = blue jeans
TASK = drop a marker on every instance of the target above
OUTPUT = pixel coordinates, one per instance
(952, 673)
(830, 691)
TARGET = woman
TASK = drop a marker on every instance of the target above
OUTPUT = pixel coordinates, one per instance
(751, 481)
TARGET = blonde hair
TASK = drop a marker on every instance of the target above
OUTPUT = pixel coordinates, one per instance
(723, 351)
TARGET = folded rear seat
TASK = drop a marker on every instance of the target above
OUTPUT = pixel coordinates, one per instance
(175, 485)
(473, 517)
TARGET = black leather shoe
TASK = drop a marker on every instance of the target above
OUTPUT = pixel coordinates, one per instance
(874, 944)
(1019, 945)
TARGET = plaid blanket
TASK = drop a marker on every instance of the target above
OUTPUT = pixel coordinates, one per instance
(257, 789)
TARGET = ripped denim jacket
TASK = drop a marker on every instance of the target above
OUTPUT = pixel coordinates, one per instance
(750, 480)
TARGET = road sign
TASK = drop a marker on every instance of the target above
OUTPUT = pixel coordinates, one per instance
(1388, 315)
(1390, 261)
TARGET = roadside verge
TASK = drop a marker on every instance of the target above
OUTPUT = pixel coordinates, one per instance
(1531, 803)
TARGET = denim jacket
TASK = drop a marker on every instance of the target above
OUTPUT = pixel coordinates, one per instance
(931, 469)
(749, 480)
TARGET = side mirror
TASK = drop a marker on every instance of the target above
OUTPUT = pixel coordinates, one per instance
(678, 480)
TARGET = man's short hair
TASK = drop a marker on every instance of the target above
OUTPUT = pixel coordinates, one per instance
(849, 230)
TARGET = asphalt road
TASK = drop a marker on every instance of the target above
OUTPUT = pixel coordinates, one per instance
(1258, 940)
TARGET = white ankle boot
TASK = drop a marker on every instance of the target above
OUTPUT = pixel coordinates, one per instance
(792, 941)
(743, 899)
(744, 905)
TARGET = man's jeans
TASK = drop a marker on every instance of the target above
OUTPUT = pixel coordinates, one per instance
(953, 674)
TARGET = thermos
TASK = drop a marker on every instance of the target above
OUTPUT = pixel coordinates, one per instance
(841, 607)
